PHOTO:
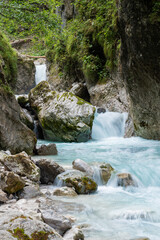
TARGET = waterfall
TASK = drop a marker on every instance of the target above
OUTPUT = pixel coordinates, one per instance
(109, 124)
(40, 73)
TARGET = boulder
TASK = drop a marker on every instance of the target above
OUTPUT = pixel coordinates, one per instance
(60, 223)
(82, 166)
(24, 227)
(3, 197)
(125, 180)
(22, 165)
(49, 149)
(25, 75)
(105, 171)
(74, 178)
(22, 100)
(14, 135)
(48, 170)
(26, 118)
(74, 233)
(65, 191)
(80, 90)
(63, 116)
(11, 182)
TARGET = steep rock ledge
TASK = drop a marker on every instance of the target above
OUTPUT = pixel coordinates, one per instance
(140, 53)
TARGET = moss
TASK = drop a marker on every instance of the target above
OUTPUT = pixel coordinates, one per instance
(22, 216)
(20, 234)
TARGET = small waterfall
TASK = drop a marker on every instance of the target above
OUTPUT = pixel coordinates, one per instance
(109, 124)
(40, 73)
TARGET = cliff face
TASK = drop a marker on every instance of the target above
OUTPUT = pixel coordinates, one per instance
(140, 51)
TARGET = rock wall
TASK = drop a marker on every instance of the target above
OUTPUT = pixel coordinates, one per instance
(140, 53)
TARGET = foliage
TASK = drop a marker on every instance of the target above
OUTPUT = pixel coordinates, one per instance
(21, 18)
(8, 62)
(155, 15)
(89, 42)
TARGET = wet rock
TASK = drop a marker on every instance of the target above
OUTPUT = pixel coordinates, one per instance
(49, 149)
(3, 197)
(105, 171)
(14, 135)
(125, 180)
(60, 223)
(23, 100)
(65, 191)
(63, 116)
(74, 178)
(82, 166)
(22, 165)
(11, 182)
(74, 233)
(31, 191)
(26, 118)
(101, 110)
(48, 170)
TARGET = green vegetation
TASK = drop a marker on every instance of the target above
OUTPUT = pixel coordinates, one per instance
(90, 42)
(155, 15)
(8, 63)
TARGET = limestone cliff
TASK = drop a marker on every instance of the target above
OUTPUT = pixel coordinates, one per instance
(140, 52)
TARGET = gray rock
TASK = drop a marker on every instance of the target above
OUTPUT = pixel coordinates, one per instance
(60, 223)
(25, 75)
(105, 171)
(22, 165)
(48, 170)
(49, 149)
(82, 166)
(3, 197)
(11, 182)
(5, 235)
(26, 118)
(14, 135)
(125, 180)
(80, 90)
(65, 191)
(74, 233)
(74, 178)
(63, 116)
(31, 191)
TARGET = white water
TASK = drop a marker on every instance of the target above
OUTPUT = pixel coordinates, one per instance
(109, 124)
(115, 213)
(40, 73)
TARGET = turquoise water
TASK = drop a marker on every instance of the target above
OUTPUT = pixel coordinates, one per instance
(114, 213)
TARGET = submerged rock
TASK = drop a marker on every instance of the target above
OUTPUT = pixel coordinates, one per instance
(105, 171)
(63, 116)
(22, 165)
(65, 191)
(125, 180)
(74, 178)
(49, 149)
(74, 233)
(48, 170)
(82, 166)
(11, 182)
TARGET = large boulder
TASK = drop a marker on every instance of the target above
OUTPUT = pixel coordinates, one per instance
(48, 170)
(64, 191)
(11, 182)
(22, 165)
(82, 166)
(63, 116)
(14, 135)
(74, 178)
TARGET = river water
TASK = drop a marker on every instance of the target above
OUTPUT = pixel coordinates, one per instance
(115, 213)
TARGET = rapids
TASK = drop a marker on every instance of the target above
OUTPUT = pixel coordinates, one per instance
(115, 213)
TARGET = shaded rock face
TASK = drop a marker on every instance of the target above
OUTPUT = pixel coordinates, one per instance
(140, 65)
(49, 170)
(63, 116)
(49, 149)
(14, 135)
(25, 75)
